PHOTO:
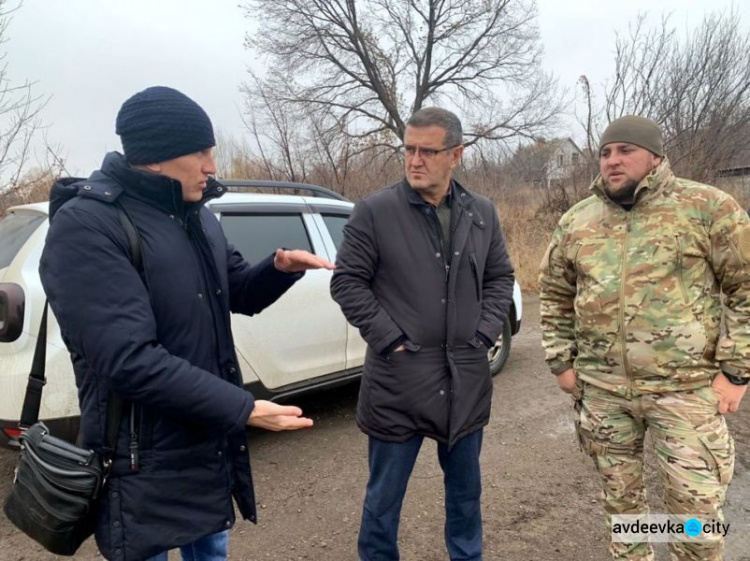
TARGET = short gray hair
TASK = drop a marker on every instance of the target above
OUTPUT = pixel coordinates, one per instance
(437, 117)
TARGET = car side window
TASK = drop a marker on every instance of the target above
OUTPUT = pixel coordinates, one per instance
(256, 236)
(15, 229)
(335, 224)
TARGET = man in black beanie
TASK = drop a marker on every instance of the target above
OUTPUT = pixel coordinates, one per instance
(160, 337)
(631, 308)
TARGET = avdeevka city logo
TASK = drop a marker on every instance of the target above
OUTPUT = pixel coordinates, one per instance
(634, 528)
(693, 527)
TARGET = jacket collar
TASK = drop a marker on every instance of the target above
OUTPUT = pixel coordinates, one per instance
(154, 189)
(458, 194)
(649, 187)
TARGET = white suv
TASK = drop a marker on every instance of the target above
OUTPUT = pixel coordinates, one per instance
(300, 343)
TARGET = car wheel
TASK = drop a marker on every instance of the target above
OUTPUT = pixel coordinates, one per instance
(499, 352)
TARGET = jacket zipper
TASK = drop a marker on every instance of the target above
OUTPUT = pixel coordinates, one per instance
(441, 242)
(134, 456)
(195, 240)
(623, 334)
(680, 277)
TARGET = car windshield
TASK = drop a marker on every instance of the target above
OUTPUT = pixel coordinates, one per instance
(15, 229)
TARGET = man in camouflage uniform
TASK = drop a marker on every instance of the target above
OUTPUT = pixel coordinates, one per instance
(631, 312)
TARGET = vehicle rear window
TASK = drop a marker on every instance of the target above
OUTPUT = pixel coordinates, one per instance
(256, 236)
(15, 229)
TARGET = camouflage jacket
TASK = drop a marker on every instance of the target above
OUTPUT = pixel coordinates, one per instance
(632, 299)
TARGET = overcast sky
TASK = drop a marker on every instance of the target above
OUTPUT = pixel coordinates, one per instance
(91, 55)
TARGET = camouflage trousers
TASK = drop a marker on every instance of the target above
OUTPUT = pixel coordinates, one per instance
(694, 451)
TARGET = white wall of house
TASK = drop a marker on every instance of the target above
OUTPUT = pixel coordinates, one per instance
(564, 160)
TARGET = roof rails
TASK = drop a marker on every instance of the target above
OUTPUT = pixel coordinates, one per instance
(240, 185)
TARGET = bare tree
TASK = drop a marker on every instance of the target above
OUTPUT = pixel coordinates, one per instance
(20, 110)
(369, 64)
(697, 88)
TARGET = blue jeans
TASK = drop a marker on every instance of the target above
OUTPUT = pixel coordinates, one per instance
(208, 548)
(391, 465)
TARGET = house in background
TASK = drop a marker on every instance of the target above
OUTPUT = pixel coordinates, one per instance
(547, 162)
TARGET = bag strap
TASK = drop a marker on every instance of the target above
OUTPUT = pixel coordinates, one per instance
(133, 238)
(33, 399)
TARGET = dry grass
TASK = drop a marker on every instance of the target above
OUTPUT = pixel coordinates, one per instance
(527, 242)
(527, 225)
(32, 188)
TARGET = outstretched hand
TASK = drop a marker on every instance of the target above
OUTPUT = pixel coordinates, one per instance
(298, 260)
(272, 416)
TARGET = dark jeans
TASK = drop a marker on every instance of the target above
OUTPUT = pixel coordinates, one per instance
(209, 548)
(391, 465)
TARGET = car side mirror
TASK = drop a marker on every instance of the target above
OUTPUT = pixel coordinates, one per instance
(12, 305)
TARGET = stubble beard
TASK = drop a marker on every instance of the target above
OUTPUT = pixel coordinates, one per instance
(624, 194)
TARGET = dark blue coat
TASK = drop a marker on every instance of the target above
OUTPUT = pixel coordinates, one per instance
(167, 349)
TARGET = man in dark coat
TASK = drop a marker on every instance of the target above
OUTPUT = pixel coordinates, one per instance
(160, 338)
(424, 274)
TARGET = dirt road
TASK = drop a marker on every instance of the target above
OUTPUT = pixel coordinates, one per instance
(540, 492)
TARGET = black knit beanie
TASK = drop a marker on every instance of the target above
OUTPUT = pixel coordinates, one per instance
(160, 124)
(640, 131)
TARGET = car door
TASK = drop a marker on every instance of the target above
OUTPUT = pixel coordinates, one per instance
(302, 336)
(331, 223)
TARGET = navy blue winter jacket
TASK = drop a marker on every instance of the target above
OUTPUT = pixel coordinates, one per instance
(165, 346)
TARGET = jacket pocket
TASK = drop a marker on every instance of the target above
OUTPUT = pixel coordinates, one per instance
(475, 274)
(476, 342)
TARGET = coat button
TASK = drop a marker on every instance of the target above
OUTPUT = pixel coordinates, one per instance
(117, 552)
(116, 523)
(200, 295)
(232, 370)
(437, 255)
(243, 448)
(470, 214)
(87, 187)
(221, 453)
(457, 253)
(442, 300)
(442, 392)
(218, 292)
(228, 523)
(114, 494)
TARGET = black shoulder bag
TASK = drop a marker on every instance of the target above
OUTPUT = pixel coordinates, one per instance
(55, 492)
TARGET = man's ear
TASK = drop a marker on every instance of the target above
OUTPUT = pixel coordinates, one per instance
(153, 168)
(456, 156)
